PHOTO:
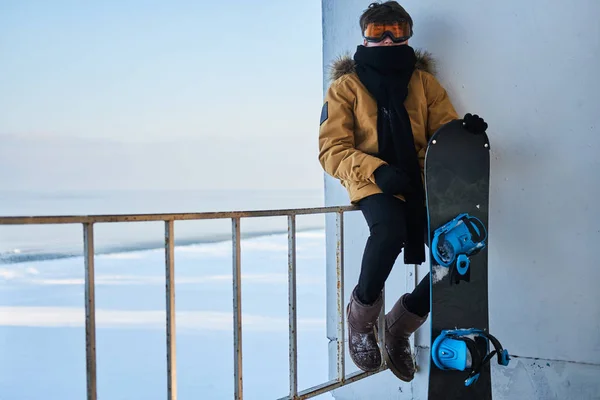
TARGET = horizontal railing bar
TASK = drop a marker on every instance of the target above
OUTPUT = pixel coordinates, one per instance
(83, 219)
(331, 385)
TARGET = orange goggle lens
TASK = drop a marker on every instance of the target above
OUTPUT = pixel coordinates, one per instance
(397, 31)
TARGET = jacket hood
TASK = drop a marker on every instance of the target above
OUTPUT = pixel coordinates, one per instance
(345, 64)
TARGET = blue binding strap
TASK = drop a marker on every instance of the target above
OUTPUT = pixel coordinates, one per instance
(466, 350)
(457, 240)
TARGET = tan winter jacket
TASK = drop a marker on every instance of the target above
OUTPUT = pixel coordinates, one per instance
(348, 131)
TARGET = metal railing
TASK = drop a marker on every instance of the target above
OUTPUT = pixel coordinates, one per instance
(235, 216)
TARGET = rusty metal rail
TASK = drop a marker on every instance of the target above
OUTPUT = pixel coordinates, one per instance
(82, 219)
(88, 222)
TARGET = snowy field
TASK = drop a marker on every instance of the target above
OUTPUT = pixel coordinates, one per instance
(42, 336)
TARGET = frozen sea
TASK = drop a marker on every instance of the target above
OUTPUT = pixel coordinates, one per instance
(42, 334)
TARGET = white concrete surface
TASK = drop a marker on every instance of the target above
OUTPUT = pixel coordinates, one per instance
(531, 70)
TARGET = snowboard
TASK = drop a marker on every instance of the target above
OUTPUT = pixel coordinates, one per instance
(457, 169)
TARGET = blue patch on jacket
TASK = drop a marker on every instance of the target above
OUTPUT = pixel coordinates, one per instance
(324, 113)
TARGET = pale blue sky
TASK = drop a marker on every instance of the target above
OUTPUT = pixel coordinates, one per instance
(239, 73)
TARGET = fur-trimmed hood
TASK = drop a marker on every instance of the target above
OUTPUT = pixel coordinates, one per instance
(345, 64)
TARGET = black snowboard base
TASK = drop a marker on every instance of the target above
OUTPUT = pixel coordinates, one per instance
(457, 166)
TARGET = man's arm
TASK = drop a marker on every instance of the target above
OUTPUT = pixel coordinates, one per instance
(440, 108)
(337, 154)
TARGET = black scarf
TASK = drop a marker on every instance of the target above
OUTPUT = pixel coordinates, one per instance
(385, 71)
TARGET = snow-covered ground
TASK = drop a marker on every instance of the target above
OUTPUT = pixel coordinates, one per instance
(42, 336)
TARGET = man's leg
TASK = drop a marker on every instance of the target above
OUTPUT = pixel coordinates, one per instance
(405, 317)
(419, 299)
(386, 220)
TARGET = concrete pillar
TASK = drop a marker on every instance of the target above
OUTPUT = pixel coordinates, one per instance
(531, 70)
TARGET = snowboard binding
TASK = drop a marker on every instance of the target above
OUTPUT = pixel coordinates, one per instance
(457, 240)
(466, 350)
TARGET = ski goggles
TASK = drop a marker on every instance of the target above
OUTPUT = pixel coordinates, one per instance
(399, 31)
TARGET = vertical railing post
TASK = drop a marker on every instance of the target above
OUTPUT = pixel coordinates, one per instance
(381, 321)
(293, 331)
(237, 309)
(339, 223)
(90, 310)
(170, 298)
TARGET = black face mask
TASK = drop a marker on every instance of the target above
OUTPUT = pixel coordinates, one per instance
(389, 66)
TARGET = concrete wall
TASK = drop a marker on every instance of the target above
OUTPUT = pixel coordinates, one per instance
(531, 70)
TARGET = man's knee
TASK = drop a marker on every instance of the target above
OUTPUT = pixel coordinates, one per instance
(389, 235)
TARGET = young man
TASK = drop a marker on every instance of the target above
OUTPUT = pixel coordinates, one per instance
(378, 115)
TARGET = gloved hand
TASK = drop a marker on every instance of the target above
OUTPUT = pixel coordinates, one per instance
(474, 124)
(392, 180)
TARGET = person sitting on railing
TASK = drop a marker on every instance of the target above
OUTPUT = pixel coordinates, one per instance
(378, 115)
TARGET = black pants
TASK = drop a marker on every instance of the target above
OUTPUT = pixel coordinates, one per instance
(386, 217)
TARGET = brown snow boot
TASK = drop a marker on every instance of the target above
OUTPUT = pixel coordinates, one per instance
(362, 339)
(399, 325)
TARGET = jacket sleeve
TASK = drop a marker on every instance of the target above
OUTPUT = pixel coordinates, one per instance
(337, 154)
(439, 107)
